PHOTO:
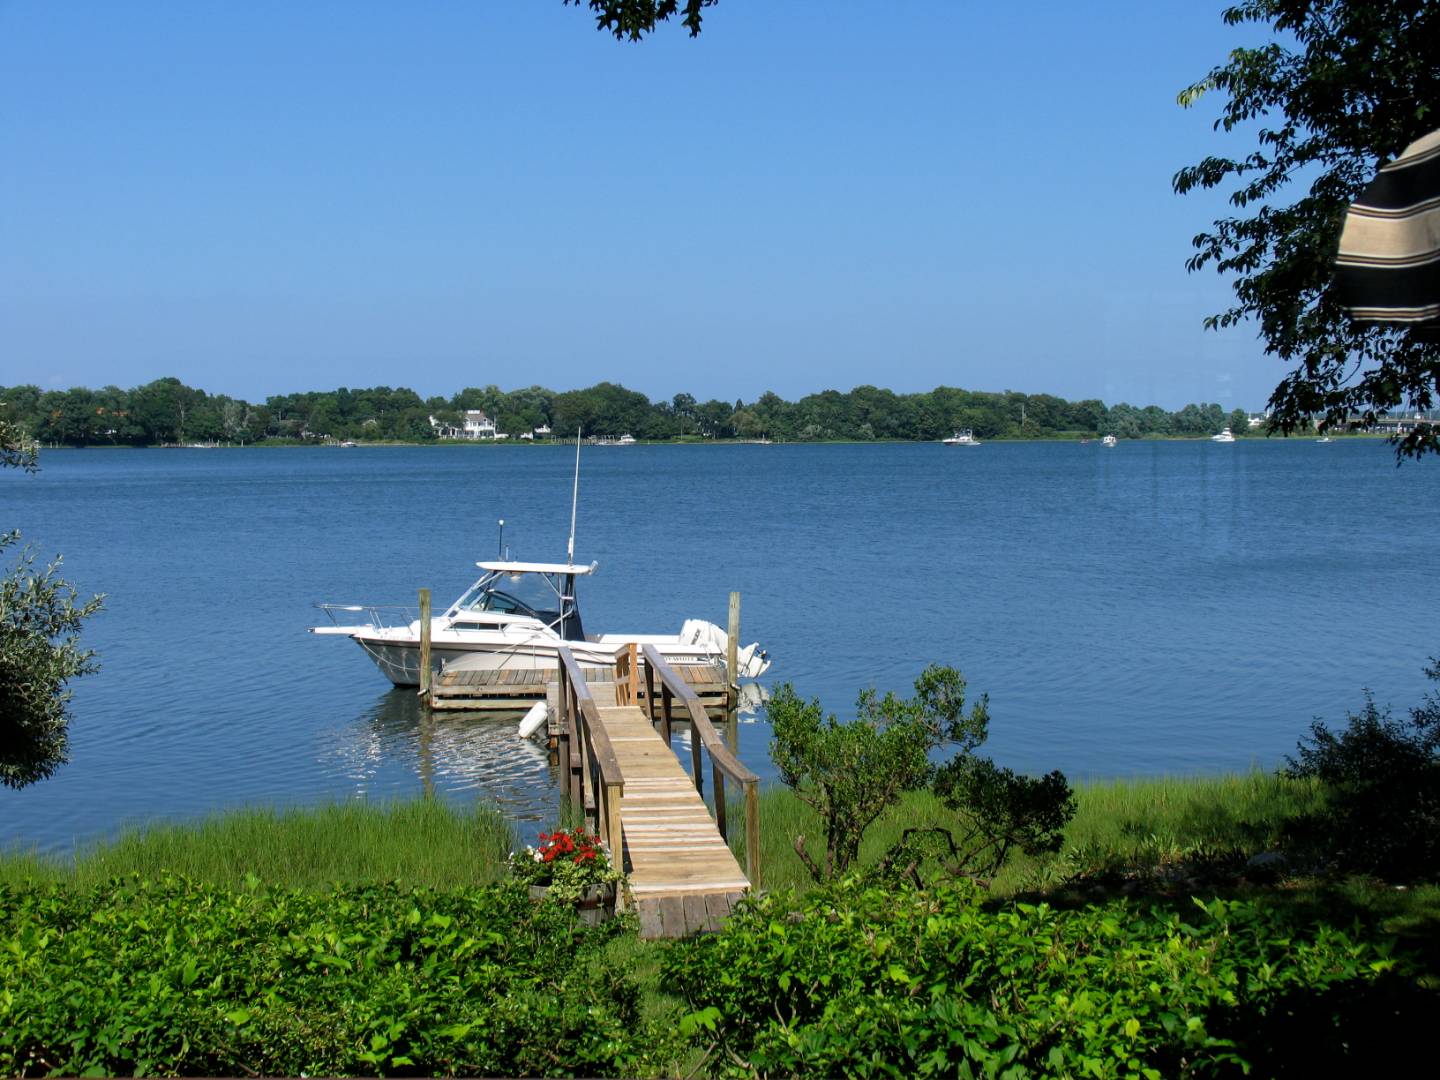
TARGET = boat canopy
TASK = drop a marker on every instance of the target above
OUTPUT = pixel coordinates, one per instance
(536, 568)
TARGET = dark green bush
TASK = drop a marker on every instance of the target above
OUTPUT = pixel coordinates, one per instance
(177, 978)
(1382, 777)
(855, 982)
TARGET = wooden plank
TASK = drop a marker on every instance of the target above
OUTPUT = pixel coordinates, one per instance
(672, 916)
(695, 914)
(717, 910)
(650, 924)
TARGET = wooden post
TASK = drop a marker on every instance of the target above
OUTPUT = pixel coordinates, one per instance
(577, 751)
(563, 701)
(650, 696)
(717, 779)
(634, 692)
(752, 834)
(695, 760)
(614, 830)
(665, 697)
(425, 644)
(732, 649)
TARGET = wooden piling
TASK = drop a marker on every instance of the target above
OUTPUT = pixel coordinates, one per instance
(732, 650)
(425, 644)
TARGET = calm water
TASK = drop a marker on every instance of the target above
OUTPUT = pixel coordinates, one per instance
(1160, 607)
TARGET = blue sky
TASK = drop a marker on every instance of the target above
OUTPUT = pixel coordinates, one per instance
(264, 197)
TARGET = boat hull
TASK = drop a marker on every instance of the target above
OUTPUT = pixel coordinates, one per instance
(399, 660)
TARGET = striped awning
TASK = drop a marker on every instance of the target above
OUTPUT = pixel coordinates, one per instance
(1388, 268)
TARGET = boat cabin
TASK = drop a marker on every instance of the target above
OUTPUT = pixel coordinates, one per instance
(508, 591)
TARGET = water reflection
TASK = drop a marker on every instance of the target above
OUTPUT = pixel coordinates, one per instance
(395, 748)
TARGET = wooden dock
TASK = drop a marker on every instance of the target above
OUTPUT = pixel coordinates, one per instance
(618, 764)
(464, 689)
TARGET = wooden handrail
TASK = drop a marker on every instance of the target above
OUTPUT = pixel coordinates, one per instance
(598, 773)
(699, 719)
(722, 762)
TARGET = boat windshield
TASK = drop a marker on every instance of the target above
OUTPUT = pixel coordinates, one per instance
(534, 595)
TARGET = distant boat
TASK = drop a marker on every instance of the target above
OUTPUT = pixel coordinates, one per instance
(625, 440)
(1109, 440)
(1324, 438)
(962, 438)
(1224, 436)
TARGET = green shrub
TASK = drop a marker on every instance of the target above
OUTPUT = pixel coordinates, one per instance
(851, 773)
(178, 978)
(1382, 775)
(856, 982)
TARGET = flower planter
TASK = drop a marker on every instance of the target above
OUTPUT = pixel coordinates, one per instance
(595, 906)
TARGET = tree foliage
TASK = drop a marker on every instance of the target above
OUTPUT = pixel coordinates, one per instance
(850, 773)
(1343, 88)
(1382, 776)
(167, 411)
(39, 651)
(633, 19)
(17, 450)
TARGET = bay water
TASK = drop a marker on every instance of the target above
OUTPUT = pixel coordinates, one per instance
(1156, 608)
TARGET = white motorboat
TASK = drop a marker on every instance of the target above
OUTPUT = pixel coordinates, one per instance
(1109, 440)
(514, 617)
(1224, 436)
(962, 438)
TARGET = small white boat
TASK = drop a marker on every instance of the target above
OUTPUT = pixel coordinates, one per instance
(1324, 439)
(625, 440)
(962, 438)
(1224, 436)
(1108, 440)
(515, 617)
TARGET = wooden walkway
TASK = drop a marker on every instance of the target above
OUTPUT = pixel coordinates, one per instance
(683, 878)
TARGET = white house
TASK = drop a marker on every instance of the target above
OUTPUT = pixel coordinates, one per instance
(475, 425)
(478, 425)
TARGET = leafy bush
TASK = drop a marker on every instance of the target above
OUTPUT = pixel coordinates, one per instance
(849, 773)
(39, 648)
(1004, 810)
(852, 773)
(172, 977)
(1382, 814)
(856, 982)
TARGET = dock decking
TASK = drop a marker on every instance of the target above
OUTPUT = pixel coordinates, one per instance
(683, 876)
(460, 688)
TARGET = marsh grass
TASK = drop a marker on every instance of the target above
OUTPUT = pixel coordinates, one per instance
(1142, 821)
(418, 843)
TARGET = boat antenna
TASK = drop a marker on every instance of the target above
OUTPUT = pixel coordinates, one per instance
(574, 501)
(500, 543)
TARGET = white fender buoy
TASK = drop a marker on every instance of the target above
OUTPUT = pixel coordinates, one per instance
(535, 719)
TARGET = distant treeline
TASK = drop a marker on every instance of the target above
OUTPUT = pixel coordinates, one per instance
(167, 411)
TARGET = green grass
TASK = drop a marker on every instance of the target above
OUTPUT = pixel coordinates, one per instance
(1145, 821)
(419, 843)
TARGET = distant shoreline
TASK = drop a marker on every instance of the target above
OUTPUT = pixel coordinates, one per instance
(293, 444)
